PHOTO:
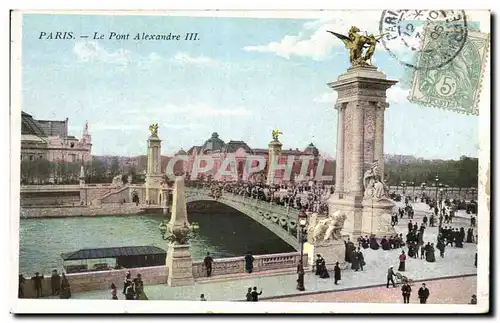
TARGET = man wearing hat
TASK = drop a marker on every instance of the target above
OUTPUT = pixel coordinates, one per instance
(37, 283)
(390, 279)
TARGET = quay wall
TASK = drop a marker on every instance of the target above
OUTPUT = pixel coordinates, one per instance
(101, 280)
(80, 210)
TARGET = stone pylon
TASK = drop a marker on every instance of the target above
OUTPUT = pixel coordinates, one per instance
(361, 104)
(154, 177)
(179, 261)
(274, 153)
(179, 210)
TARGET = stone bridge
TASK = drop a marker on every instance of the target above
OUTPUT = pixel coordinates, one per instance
(280, 220)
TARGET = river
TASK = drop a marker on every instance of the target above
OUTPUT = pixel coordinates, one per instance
(225, 234)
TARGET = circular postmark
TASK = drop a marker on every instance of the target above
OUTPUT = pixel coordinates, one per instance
(409, 35)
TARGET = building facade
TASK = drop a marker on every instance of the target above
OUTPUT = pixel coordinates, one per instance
(49, 140)
(217, 150)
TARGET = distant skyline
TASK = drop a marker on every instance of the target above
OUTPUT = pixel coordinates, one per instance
(241, 79)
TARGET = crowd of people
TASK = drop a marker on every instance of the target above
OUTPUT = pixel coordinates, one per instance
(310, 197)
(59, 285)
(133, 289)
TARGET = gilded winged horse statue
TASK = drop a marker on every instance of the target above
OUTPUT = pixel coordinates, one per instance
(361, 48)
(153, 128)
(276, 133)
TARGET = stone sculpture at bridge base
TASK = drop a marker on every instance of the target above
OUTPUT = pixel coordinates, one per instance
(324, 238)
(365, 216)
(333, 251)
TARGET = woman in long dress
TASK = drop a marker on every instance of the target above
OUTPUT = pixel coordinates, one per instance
(430, 257)
(324, 271)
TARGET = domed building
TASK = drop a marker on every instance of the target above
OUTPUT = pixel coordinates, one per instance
(213, 144)
(222, 154)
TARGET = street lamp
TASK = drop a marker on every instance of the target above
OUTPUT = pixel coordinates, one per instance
(423, 185)
(413, 184)
(302, 238)
(403, 184)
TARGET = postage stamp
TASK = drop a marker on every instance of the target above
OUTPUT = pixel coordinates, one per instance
(249, 162)
(456, 85)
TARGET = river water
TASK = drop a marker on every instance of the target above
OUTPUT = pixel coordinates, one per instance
(225, 234)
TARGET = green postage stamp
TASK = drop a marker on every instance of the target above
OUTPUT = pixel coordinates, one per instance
(457, 85)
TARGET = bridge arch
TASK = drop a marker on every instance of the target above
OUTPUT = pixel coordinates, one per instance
(275, 218)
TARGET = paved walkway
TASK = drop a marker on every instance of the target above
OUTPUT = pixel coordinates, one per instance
(443, 291)
(457, 261)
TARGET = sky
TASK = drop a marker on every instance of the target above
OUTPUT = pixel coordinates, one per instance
(241, 78)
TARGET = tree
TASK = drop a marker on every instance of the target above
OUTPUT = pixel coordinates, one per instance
(97, 171)
(115, 166)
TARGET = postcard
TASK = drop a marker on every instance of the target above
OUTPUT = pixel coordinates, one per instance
(333, 161)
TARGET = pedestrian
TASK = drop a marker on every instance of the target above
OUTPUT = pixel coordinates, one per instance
(255, 295)
(22, 280)
(361, 259)
(65, 288)
(249, 262)
(202, 298)
(139, 288)
(127, 282)
(406, 290)
(423, 294)
(249, 294)
(113, 291)
(55, 282)
(37, 284)
(337, 273)
(441, 247)
(130, 292)
(208, 261)
(390, 277)
(473, 300)
(402, 260)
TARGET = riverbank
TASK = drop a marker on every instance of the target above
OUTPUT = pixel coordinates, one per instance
(64, 211)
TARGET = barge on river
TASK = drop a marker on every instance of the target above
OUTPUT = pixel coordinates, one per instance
(99, 259)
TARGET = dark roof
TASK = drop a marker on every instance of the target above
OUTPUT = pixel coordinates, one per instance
(234, 145)
(311, 149)
(190, 151)
(29, 126)
(213, 144)
(181, 152)
(98, 253)
(260, 150)
(54, 128)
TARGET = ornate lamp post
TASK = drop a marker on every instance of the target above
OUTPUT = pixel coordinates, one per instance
(436, 184)
(446, 187)
(413, 184)
(302, 238)
(403, 184)
(423, 185)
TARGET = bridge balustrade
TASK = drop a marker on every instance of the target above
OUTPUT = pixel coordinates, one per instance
(236, 265)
